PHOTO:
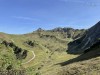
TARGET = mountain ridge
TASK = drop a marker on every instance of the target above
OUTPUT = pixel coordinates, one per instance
(87, 40)
(42, 49)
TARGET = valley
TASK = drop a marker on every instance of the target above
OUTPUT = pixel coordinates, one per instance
(50, 52)
(44, 50)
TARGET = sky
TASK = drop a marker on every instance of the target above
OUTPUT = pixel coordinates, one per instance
(23, 16)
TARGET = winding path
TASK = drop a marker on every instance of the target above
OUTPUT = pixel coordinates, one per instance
(31, 58)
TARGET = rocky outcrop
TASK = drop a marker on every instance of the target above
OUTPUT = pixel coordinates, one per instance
(70, 32)
(86, 41)
(31, 43)
(40, 30)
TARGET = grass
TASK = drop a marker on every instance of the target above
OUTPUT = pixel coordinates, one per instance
(87, 67)
(85, 64)
(49, 49)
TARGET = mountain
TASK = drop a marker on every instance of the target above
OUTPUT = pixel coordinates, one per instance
(70, 32)
(90, 37)
(35, 53)
(85, 64)
(43, 52)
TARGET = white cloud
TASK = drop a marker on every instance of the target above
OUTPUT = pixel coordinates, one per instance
(24, 18)
(85, 2)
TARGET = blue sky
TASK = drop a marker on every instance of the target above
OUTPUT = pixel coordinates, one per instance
(23, 16)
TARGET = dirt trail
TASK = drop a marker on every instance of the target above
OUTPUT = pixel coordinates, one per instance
(31, 58)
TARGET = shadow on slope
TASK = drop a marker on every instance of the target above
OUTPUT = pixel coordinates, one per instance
(92, 52)
(88, 39)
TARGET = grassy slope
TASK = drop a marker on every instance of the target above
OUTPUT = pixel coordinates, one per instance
(49, 50)
(85, 64)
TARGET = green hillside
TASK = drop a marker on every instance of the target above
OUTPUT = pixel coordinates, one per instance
(44, 50)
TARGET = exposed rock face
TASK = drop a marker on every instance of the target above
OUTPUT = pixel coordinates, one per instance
(70, 32)
(86, 41)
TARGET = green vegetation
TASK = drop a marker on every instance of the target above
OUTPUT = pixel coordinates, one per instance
(49, 49)
(40, 53)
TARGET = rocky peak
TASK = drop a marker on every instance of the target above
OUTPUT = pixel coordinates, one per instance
(40, 30)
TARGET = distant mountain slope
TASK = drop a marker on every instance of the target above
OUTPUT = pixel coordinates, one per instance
(87, 40)
(70, 32)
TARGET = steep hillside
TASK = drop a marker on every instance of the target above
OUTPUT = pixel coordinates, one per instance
(90, 37)
(43, 52)
(35, 53)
